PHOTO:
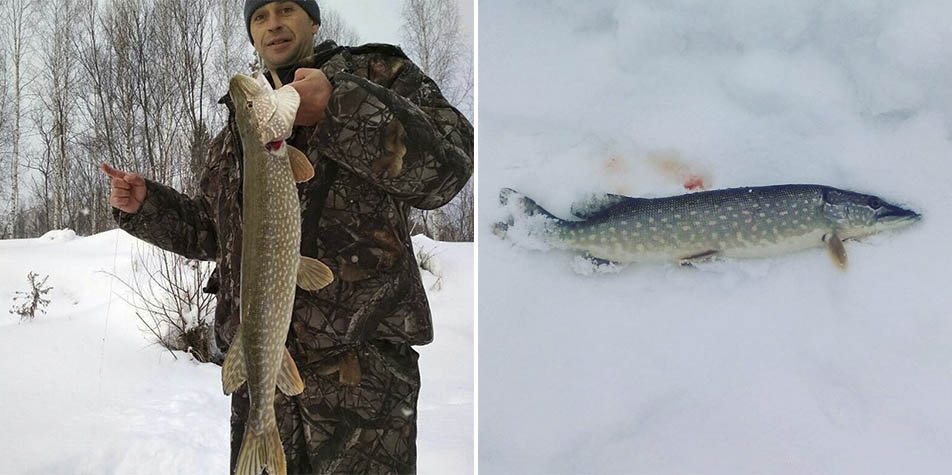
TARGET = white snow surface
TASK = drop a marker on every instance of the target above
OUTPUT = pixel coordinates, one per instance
(780, 365)
(85, 392)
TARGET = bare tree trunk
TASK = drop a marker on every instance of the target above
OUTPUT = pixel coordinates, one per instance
(18, 37)
(131, 82)
(431, 32)
(58, 69)
(333, 27)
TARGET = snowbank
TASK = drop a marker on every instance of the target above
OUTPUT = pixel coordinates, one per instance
(88, 393)
(782, 365)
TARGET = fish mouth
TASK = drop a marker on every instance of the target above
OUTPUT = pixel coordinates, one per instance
(895, 213)
(245, 86)
(894, 217)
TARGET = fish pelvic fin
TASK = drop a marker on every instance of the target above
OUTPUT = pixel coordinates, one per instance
(233, 372)
(313, 274)
(698, 258)
(837, 251)
(301, 167)
(289, 379)
(261, 451)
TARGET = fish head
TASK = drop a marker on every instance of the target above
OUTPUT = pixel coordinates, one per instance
(269, 114)
(857, 215)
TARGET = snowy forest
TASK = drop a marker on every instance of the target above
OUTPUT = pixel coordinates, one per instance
(135, 84)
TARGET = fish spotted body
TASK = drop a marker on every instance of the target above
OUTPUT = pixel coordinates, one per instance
(271, 265)
(745, 222)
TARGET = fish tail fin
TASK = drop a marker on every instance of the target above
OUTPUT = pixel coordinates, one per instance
(522, 204)
(261, 451)
(528, 219)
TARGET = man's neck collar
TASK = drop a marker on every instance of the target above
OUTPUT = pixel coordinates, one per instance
(285, 74)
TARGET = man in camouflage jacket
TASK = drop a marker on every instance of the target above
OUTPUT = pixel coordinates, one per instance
(386, 141)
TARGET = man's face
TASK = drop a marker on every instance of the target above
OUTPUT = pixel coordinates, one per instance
(283, 33)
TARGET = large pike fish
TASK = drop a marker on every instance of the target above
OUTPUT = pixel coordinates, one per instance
(738, 222)
(271, 265)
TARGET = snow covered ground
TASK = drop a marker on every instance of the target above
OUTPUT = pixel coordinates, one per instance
(85, 392)
(781, 365)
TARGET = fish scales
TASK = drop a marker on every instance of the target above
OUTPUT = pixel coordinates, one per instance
(739, 222)
(271, 266)
(271, 236)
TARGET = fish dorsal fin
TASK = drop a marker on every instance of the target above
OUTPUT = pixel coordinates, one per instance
(300, 166)
(313, 274)
(233, 372)
(289, 379)
(602, 205)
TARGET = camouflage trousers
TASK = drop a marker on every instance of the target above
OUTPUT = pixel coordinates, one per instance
(356, 420)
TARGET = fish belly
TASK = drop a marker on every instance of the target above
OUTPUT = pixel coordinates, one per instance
(664, 233)
(270, 255)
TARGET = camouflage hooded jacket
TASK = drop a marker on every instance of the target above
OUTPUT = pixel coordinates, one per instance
(389, 140)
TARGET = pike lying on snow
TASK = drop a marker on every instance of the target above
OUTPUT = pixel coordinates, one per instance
(271, 265)
(738, 222)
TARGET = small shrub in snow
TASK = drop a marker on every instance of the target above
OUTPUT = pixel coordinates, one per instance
(426, 259)
(26, 304)
(170, 303)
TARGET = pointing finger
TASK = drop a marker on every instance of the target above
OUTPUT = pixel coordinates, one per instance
(112, 171)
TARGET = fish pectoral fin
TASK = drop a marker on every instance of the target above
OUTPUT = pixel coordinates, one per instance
(698, 258)
(837, 251)
(233, 372)
(301, 167)
(598, 261)
(313, 274)
(289, 379)
(286, 102)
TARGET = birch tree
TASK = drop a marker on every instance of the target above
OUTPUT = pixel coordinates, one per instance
(15, 20)
(334, 27)
(58, 101)
(432, 38)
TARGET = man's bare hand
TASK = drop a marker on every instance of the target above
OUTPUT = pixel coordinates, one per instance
(128, 189)
(315, 90)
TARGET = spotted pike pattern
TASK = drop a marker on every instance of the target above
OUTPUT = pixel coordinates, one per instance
(389, 141)
(743, 223)
(737, 222)
(369, 427)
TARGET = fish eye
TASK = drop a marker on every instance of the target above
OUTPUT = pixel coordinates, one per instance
(875, 203)
(249, 104)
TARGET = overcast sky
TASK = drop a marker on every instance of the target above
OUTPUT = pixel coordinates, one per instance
(378, 21)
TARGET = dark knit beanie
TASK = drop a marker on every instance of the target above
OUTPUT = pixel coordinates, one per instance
(310, 6)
